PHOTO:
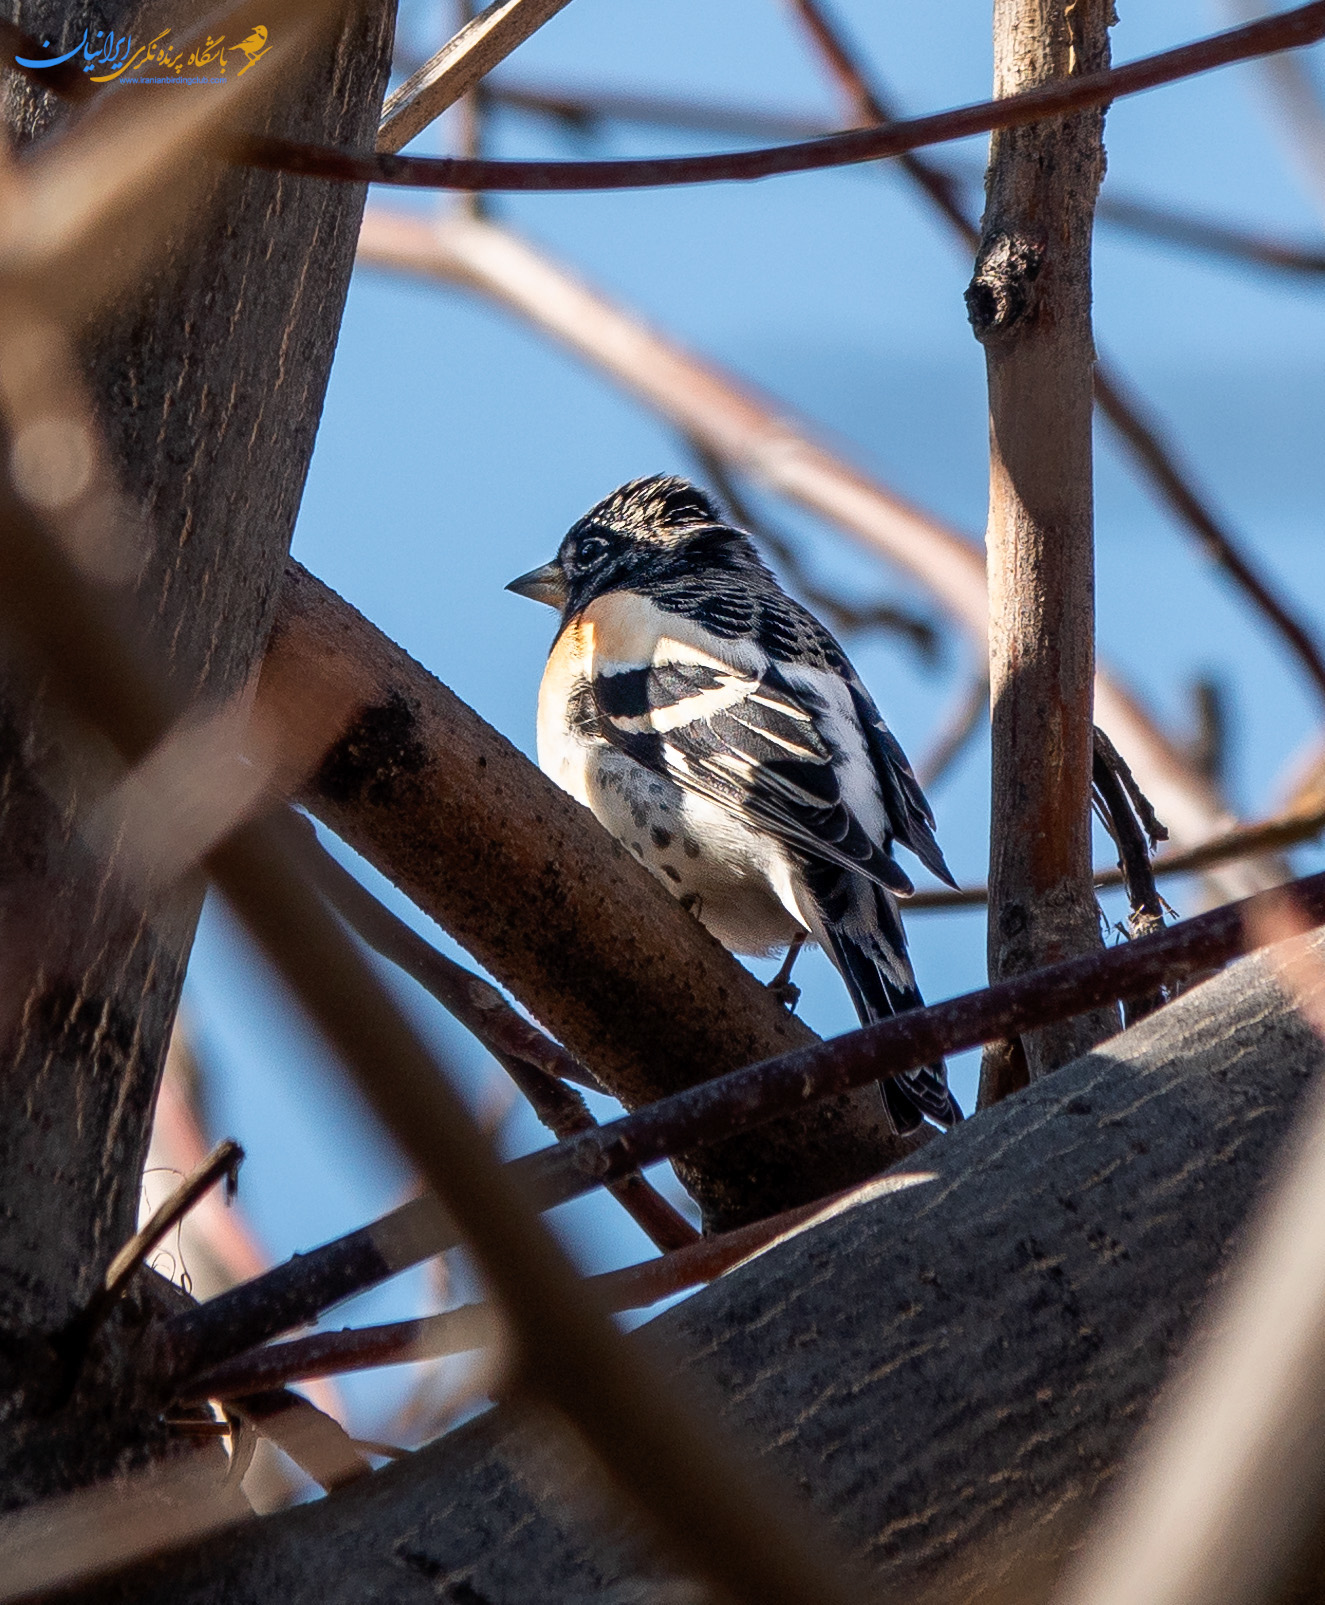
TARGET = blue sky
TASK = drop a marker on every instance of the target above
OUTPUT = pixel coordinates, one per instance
(456, 447)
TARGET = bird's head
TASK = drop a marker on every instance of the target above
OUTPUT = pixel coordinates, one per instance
(651, 529)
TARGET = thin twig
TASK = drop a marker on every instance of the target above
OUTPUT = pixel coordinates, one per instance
(582, 111)
(537, 1065)
(223, 1161)
(462, 61)
(299, 1291)
(1288, 30)
(473, 1326)
(1125, 412)
(1242, 842)
(959, 725)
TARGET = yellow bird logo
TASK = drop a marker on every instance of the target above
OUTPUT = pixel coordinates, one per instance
(254, 47)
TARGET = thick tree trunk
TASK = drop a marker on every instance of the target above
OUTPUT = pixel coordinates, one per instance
(1030, 306)
(583, 936)
(952, 1373)
(208, 383)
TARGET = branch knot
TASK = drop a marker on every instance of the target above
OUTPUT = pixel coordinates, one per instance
(1001, 294)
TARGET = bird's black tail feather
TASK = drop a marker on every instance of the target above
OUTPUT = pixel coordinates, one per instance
(871, 957)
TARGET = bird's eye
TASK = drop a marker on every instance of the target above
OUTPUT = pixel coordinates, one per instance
(590, 549)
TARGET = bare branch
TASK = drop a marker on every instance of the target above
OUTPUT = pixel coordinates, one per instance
(538, 1065)
(475, 50)
(584, 110)
(223, 1162)
(1139, 434)
(1126, 413)
(958, 727)
(1286, 31)
(585, 938)
(1029, 304)
(473, 1326)
(1289, 829)
(301, 1290)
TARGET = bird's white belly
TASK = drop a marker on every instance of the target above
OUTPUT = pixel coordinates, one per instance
(737, 884)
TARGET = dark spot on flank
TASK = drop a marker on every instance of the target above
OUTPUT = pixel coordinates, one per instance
(671, 874)
(639, 816)
(691, 847)
(379, 750)
(661, 837)
(637, 849)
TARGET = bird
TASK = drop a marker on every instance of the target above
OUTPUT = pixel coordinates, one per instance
(716, 728)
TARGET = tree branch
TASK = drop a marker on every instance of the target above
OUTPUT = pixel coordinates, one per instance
(474, 1326)
(1243, 841)
(581, 111)
(1285, 31)
(1038, 1289)
(474, 51)
(584, 937)
(299, 1291)
(537, 1065)
(1029, 304)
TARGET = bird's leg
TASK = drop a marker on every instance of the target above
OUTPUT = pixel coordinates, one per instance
(781, 985)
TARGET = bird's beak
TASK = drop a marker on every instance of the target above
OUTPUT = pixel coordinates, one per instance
(546, 584)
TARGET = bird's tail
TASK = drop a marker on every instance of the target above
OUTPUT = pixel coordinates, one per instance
(868, 946)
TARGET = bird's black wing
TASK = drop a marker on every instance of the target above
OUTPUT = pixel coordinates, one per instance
(792, 636)
(750, 743)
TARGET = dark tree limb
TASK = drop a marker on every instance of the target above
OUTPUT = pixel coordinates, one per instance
(1089, 91)
(207, 381)
(586, 110)
(953, 1374)
(585, 938)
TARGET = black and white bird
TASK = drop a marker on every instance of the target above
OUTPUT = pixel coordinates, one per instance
(719, 731)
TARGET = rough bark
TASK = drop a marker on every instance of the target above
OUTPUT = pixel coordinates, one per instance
(951, 1374)
(1030, 307)
(207, 382)
(581, 934)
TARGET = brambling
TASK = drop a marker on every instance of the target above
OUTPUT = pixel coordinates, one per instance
(718, 730)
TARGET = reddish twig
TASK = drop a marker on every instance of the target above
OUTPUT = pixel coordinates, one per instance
(299, 1291)
(1289, 30)
(582, 111)
(473, 1326)
(537, 1065)
(1125, 413)
(1243, 841)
